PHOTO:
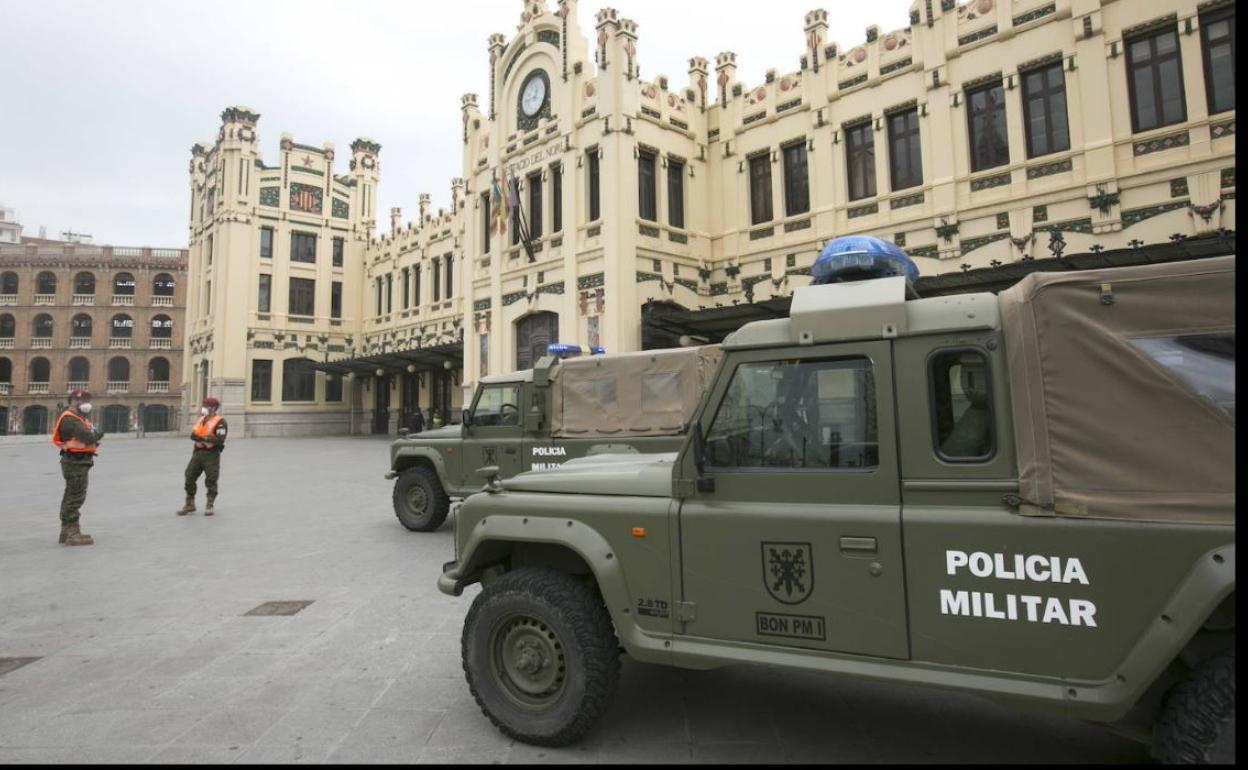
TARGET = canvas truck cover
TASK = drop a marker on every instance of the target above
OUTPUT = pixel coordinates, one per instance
(1122, 385)
(651, 393)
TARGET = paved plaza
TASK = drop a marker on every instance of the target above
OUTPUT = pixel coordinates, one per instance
(145, 653)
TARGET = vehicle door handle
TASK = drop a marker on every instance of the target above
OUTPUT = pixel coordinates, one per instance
(858, 546)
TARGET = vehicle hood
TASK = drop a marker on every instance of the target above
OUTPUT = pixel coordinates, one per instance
(637, 475)
(446, 431)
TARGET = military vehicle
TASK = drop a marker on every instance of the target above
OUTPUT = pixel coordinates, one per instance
(1029, 497)
(538, 418)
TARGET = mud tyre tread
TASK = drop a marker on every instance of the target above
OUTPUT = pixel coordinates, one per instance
(439, 506)
(588, 637)
(1198, 718)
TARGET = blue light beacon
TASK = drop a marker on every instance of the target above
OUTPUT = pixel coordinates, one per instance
(563, 350)
(861, 258)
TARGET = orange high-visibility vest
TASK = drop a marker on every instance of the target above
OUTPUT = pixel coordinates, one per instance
(73, 446)
(204, 428)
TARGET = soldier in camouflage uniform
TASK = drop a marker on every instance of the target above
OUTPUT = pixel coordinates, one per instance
(209, 437)
(78, 441)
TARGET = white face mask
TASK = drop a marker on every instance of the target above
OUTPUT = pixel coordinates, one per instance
(85, 408)
(203, 410)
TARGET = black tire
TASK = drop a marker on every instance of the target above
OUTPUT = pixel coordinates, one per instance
(1197, 724)
(563, 628)
(420, 503)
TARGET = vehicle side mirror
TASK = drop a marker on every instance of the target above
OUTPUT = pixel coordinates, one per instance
(403, 432)
(465, 429)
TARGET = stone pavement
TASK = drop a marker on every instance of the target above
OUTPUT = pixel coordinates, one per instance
(145, 654)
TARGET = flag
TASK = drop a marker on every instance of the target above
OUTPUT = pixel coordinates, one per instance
(499, 210)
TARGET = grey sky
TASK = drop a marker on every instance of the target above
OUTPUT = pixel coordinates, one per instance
(102, 101)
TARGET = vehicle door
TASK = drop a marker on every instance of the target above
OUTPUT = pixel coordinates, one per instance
(793, 538)
(492, 430)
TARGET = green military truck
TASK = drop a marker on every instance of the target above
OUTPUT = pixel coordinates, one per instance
(539, 418)
(1029, 497)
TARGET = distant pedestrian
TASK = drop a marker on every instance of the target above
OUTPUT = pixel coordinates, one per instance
(78, 441)
(418, 421)
(209, 436)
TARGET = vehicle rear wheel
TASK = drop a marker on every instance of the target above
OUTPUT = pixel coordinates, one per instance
(420, 503)
(1197, 724)
(541, 656)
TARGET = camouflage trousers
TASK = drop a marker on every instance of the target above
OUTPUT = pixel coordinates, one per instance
(75, 473)
(207, 463)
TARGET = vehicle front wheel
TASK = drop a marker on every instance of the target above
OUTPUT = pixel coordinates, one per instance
(1197, 724)
(420, 503)
(541, 656)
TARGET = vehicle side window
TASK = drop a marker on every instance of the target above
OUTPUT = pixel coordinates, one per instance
(1205, 363)
(962, 416)
(499, 405)
(797, 414)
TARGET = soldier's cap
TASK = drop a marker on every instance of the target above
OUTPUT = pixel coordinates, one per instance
(79, 395)
(211, 402)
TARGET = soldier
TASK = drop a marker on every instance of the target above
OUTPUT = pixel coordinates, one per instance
(209, 437)
(78, 440)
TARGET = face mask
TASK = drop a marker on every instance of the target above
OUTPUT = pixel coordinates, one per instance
(85, 408)
(203, 410)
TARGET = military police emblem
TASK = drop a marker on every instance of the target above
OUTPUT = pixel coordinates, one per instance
(788, 571)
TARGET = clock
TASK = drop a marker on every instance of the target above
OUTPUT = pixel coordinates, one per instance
(533, 94)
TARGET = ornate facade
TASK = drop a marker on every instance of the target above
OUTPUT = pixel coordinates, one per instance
(968, 137)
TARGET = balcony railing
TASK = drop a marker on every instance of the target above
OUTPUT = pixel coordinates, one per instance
(45, 299)
(6, 388)
(8, 299)
(6, 343)
(38, 389)
(117, 387)
(79, 343)
(160, 343)
(158, 301)
(82, 385)
(126, 300)
(157, 387)
(83, 299)
(41, 343)
(120, 343)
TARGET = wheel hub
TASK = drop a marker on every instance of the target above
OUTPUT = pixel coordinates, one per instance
(528, 660)
(416, 499)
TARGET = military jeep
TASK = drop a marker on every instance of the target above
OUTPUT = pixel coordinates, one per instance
(1029, 497)
(538, 418)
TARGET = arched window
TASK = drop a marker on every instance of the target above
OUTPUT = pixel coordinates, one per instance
(6, 370)
(123, 285)
(533, 334)
(80, 327)
(9, 283)
(162, 285)
(123, 325)
(45, 283)
(43, 325)
(40, 370)
(84, 283)
(8, 327)
(79, 369)
(158, 370)
(118, 369)
(162, 327)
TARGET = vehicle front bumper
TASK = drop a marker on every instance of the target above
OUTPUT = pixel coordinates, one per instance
(449, 582)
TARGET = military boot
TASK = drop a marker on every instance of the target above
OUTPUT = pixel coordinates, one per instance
(208, 510)
(75, 536)
(64, 533)
(188, 508)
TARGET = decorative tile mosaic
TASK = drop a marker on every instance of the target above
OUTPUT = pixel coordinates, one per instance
(679, 124)
(678, 237)
(977, 36)
(1178, 188)
(481, 304)
(1135, 216)
(1040, 214)
(789, 105)
(970, 244)
(801, 224)
(271, 196)
(1083, 225)
(1170, 141)
(305, 197)
(514, 59)
(551, 288)
(988, 182)
(899, 239)
(798, 271)
(512, 298)
(747, 120)
(593, 232)
(854, 81)
(1219, 130)
(548, 36)
(688, 283)
(339, 208)
(712, 135)
(1032, 15)
(906, 200)
(862, 211)
(647, 230)
(1003, 220)
(591, 281)
(923, 251)
(643, 277)
(764, 232)
(718, 289)
(1049, 169)
(897, 65)
(1228, 177)
(652, 113)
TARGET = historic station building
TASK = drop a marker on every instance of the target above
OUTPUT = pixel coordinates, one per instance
(102, 318)
(594, 203)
